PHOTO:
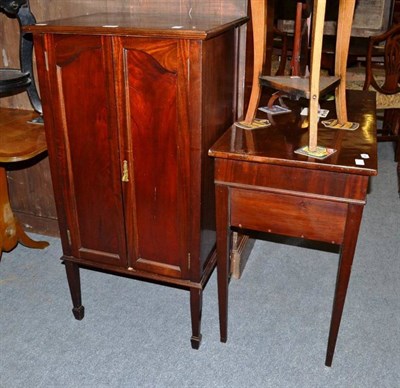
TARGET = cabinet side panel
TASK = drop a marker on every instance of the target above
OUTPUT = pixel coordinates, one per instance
(218, 113)
(92, 148)
(152, 78)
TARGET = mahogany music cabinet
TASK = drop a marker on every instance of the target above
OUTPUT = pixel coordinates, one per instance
(132, 103)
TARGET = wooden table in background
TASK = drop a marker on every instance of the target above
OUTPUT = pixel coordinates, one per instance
(262, 185)
(19, 140)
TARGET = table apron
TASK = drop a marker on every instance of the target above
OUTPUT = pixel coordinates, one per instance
(289, 214)
(343, 186)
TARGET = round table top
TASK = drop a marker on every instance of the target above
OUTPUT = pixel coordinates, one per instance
(19, 138)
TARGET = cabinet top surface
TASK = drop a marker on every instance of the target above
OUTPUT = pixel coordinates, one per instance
(276, 144)
(165, 25)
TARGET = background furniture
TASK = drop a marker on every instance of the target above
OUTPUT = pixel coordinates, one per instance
(381, 74)
(13, 81)
(132, 103)
(371, 17)
(390, 86)
(295, 45)
(29, 181)
(314, 86)
(262, 185)
(396, 12)
(20, 140)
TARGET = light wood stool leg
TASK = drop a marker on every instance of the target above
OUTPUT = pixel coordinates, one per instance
(345, 19)
(258, 15)
(316, 52)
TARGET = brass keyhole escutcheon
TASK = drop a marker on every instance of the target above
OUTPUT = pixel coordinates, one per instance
(125, 172)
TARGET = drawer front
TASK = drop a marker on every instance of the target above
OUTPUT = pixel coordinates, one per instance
(290, 215)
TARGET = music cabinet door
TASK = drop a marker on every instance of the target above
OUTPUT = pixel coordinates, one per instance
(154, 113)
(86, 163)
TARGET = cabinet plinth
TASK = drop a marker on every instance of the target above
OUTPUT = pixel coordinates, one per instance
(130, 113)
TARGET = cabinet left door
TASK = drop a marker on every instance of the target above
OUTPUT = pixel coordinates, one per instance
(82, 130)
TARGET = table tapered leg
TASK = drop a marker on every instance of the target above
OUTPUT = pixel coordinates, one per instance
(348, 248)
(223, 245)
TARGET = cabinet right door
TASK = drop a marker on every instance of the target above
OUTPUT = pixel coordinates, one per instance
(152, 84)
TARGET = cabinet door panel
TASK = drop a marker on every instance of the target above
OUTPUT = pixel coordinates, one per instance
(87, 121)
(157, 133)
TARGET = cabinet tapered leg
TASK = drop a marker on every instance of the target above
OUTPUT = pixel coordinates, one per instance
(74, 283)
(343, 276)
(196, 305)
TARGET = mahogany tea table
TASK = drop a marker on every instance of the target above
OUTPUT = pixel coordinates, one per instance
(263, 185)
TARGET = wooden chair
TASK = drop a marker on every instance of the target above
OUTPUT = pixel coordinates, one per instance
(382, 75)
(21, 137)
(280, 51)
(388, 89)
